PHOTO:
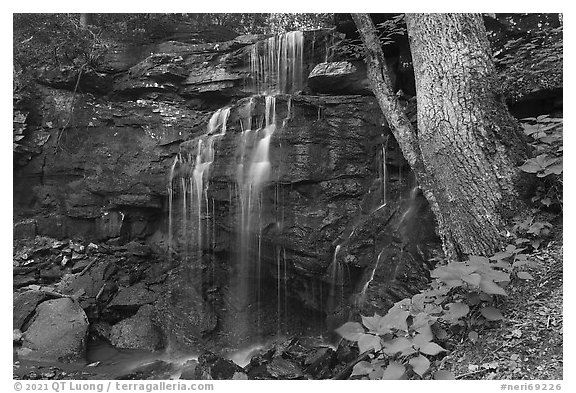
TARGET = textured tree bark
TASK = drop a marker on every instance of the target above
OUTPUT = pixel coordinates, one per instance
(468, 146)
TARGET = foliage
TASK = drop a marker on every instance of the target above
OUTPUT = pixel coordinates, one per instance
(388, 32)
(53, 40)
(529, 232)
(546, 138)
(462, 299)
(278, 23)
(531, 61)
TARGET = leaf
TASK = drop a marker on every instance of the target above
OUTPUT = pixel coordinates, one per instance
(422, 321)
(394, 370)
(491, 313)
(458, 310)
(443, 375)
(376, 374)
(423, 338)
(398, 344)
(490, 287)
(368, 342)
(473, 336)
(372, 323)
(478, 259)
(472, 279)
(524, 276)
(420, 364)
(396, 319)
(351, 331)
(431, 349)
(485, 297)
(362, 368)
(552, 169)
(501, 255)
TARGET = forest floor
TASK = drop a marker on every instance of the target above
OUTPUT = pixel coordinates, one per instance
(528, 344)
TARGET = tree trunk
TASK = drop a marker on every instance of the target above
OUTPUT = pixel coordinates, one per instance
(468, 146)
(469, 141)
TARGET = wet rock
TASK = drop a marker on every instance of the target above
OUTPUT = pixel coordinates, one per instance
(211, 79)
(25, 229)
(91, 281)
(24, 305)
(296, 351)
(347, 351)
(70, 77)
(132, 297)
(162, 67)
(80, 265)
(100, 330)
(182, 314)
(212, 366)
(137, 332)
(138, 249)
(157, 369)
(342, 77)
(320, 362)
(188, 370)
(57, 332)
(20, 281)
(277, 368)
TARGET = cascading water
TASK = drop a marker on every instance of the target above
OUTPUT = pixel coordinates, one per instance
(276, 64)
(370, 278)
(384, 173)
(337, 281)
(252, 173)
(193, 164)
(276, 68)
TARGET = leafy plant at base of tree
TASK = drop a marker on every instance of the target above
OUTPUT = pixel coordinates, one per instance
(546, 134)
(462, 298)
(528, 232)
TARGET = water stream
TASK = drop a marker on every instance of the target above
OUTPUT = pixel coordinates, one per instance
(276, 69)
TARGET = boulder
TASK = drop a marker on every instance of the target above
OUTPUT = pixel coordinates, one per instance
(277, 368)
(25, 304)
(137, 332)
(340, 77)
(91, 282)
(132, 297)
(57, 332)
(182, 314)
(320, 362)
(212, 366)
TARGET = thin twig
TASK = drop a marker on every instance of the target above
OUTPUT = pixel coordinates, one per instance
(88, 267)
(471, 373)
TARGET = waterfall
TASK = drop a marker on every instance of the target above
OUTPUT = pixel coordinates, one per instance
(336, 281)
(276, 64)
(194, 162)
(253, 172)
(384, 173)
(370, 278)
(170, 207)
(276, 68)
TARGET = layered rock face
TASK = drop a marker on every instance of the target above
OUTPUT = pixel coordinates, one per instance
(326, 223)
